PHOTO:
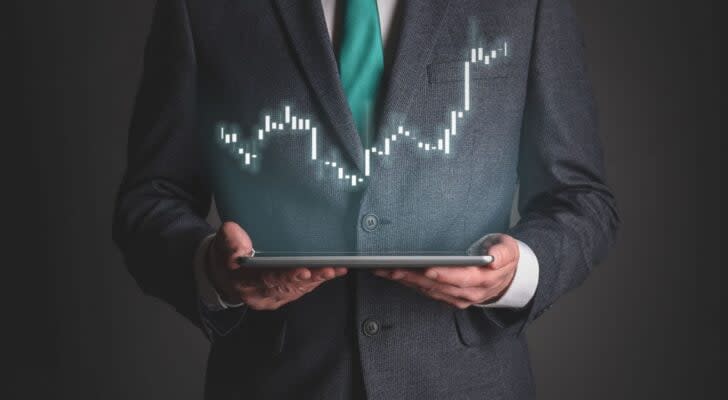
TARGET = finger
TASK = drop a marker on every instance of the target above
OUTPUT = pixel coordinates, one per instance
(304, 279)
(381, 272)
(414, 277)
(235, 239)
(454, 301)
(324, 274)
(468, 294)
(278, 282)
(262, 277)
(232, 242)
(392, 273)
(287, 276)
(295, 275)
(291, 292)
(459, 297)
(471, 295)
(249, 294)
(456, 276)
(288, 292)
(270, 279)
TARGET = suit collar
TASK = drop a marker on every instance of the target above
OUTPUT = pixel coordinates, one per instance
(420, 22)
(307, 32)
(306, 26)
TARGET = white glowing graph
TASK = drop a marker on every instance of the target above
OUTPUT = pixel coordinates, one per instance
(290, 123)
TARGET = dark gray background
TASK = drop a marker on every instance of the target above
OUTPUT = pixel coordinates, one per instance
(645, 325)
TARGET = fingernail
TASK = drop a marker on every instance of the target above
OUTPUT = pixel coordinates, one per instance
(397, 275)
(431, 274)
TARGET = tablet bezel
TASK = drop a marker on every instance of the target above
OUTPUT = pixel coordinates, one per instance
(364, 261)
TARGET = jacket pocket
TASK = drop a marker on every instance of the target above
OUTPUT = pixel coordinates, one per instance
(261, 335)
(481, 326)
(454, 71)
(475, 328)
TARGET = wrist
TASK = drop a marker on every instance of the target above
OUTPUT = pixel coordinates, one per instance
(212, 275)
(523, 282)
(209, 268)
(504, 289)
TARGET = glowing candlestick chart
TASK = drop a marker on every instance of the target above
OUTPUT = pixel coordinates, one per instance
(288, 122)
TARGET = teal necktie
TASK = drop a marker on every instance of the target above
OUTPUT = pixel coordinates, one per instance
(361, 62)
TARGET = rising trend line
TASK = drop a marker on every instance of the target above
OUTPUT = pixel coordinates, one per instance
(289, 123)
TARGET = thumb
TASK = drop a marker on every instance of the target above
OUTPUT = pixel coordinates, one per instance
(233, 242)
(499, 252)
(505, 251)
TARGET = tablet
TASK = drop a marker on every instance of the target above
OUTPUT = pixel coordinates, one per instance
(361, 260)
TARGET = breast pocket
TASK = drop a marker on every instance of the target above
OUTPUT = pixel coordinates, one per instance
(494, 93)
(454, 71)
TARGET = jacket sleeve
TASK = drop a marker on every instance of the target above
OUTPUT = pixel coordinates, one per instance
(159, 217)
(568, 213)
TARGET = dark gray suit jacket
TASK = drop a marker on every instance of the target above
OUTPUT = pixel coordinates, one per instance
(533, 122)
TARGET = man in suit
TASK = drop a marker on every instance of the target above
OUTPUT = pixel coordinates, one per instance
(421, 117)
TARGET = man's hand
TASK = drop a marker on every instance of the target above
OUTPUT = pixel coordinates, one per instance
(465, 286)
(260, 289)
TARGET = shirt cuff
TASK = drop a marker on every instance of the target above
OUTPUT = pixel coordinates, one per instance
(206, 292)
(524, 283)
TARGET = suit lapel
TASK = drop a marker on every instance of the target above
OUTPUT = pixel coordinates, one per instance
(421, 20)
(306, 26)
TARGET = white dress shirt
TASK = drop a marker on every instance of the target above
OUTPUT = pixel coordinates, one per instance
(525, 280)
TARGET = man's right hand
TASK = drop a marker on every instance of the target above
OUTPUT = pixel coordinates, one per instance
(258, 288)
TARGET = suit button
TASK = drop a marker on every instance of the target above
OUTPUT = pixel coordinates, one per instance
(370, 222)
(370, 327)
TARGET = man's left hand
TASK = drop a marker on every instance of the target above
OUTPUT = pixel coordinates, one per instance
(464, 286)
